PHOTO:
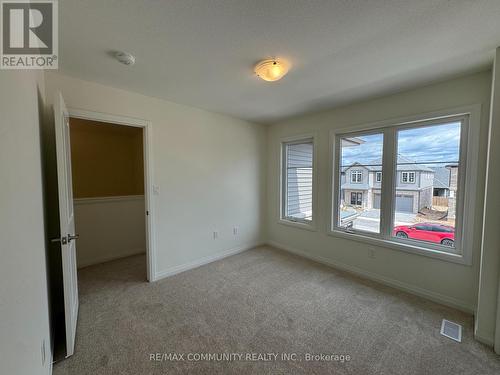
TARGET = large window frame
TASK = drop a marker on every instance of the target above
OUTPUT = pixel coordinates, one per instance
(282, 215)
(467, 177)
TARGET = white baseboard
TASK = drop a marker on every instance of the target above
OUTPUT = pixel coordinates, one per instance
(202, 261)
(110, 258)
(433, 296)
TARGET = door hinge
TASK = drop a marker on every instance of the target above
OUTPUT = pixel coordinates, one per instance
(147, 213)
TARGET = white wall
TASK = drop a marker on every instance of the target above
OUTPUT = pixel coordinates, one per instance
(210, 169)
(488, 310)
(109, 228)
(451, 283)
(24, 317)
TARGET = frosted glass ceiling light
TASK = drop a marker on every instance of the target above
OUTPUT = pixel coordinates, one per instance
(272, 69)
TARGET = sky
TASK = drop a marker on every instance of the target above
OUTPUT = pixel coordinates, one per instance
(438, 144)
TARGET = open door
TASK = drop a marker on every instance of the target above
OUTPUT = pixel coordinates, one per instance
(67, 221)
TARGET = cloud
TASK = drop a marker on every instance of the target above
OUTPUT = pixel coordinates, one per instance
(439, 143)
(364, 153)
(433, 145)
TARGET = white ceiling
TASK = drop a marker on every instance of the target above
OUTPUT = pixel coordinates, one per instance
(201, 52)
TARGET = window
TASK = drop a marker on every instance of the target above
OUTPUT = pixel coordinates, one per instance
(427, 154)
(297, 181)
(361, 150)
(433, 151)
(408, 177)
(356, 199)
(356, 176)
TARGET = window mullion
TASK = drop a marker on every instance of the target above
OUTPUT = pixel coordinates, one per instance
(389, 160)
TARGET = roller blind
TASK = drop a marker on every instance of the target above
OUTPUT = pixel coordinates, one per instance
(298, 180)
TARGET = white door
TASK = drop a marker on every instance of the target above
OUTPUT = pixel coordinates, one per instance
(67, 221)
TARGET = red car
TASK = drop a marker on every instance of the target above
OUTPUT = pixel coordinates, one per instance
(432, 232)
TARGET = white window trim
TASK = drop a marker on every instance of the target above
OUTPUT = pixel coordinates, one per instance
(408, 178)
(297, 223)
(355, 173)
(469, 149)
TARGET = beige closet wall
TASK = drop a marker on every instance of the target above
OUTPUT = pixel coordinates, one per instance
(108, 186)
(107, 159)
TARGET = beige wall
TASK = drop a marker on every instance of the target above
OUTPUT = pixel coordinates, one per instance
(451, 283)
(107, 159)
(488, 310)
(209, 170)
(24, 316)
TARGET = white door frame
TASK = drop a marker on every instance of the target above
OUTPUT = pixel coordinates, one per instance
(148, 173)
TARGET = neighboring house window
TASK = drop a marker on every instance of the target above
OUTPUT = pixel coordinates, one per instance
(422, 147)
(356, 199)
(297, 181)
(356, 176)
(408, 177)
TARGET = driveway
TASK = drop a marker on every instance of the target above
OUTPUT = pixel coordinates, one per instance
(369, 220)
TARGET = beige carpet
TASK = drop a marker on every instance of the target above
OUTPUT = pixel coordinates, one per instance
(262, 301)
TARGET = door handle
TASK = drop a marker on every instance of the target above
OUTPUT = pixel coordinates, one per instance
(72, 237)
(62, 240)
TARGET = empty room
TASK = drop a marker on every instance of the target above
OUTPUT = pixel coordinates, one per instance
(249, 187)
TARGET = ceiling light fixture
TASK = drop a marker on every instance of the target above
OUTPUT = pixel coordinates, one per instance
(272, 69)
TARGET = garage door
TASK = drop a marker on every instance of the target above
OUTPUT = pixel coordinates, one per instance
(376, 200)
(404, 203)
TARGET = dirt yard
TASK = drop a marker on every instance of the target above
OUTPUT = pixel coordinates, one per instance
(435, 215)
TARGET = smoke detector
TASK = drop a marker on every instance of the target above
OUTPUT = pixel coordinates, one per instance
(125, 58)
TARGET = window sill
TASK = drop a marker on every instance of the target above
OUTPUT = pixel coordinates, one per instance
(409, 248)
(298, 224)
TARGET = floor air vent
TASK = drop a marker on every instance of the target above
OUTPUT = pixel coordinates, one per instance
(451, 330)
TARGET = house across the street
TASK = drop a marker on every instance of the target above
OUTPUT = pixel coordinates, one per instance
(441, 181)
(361, 185)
